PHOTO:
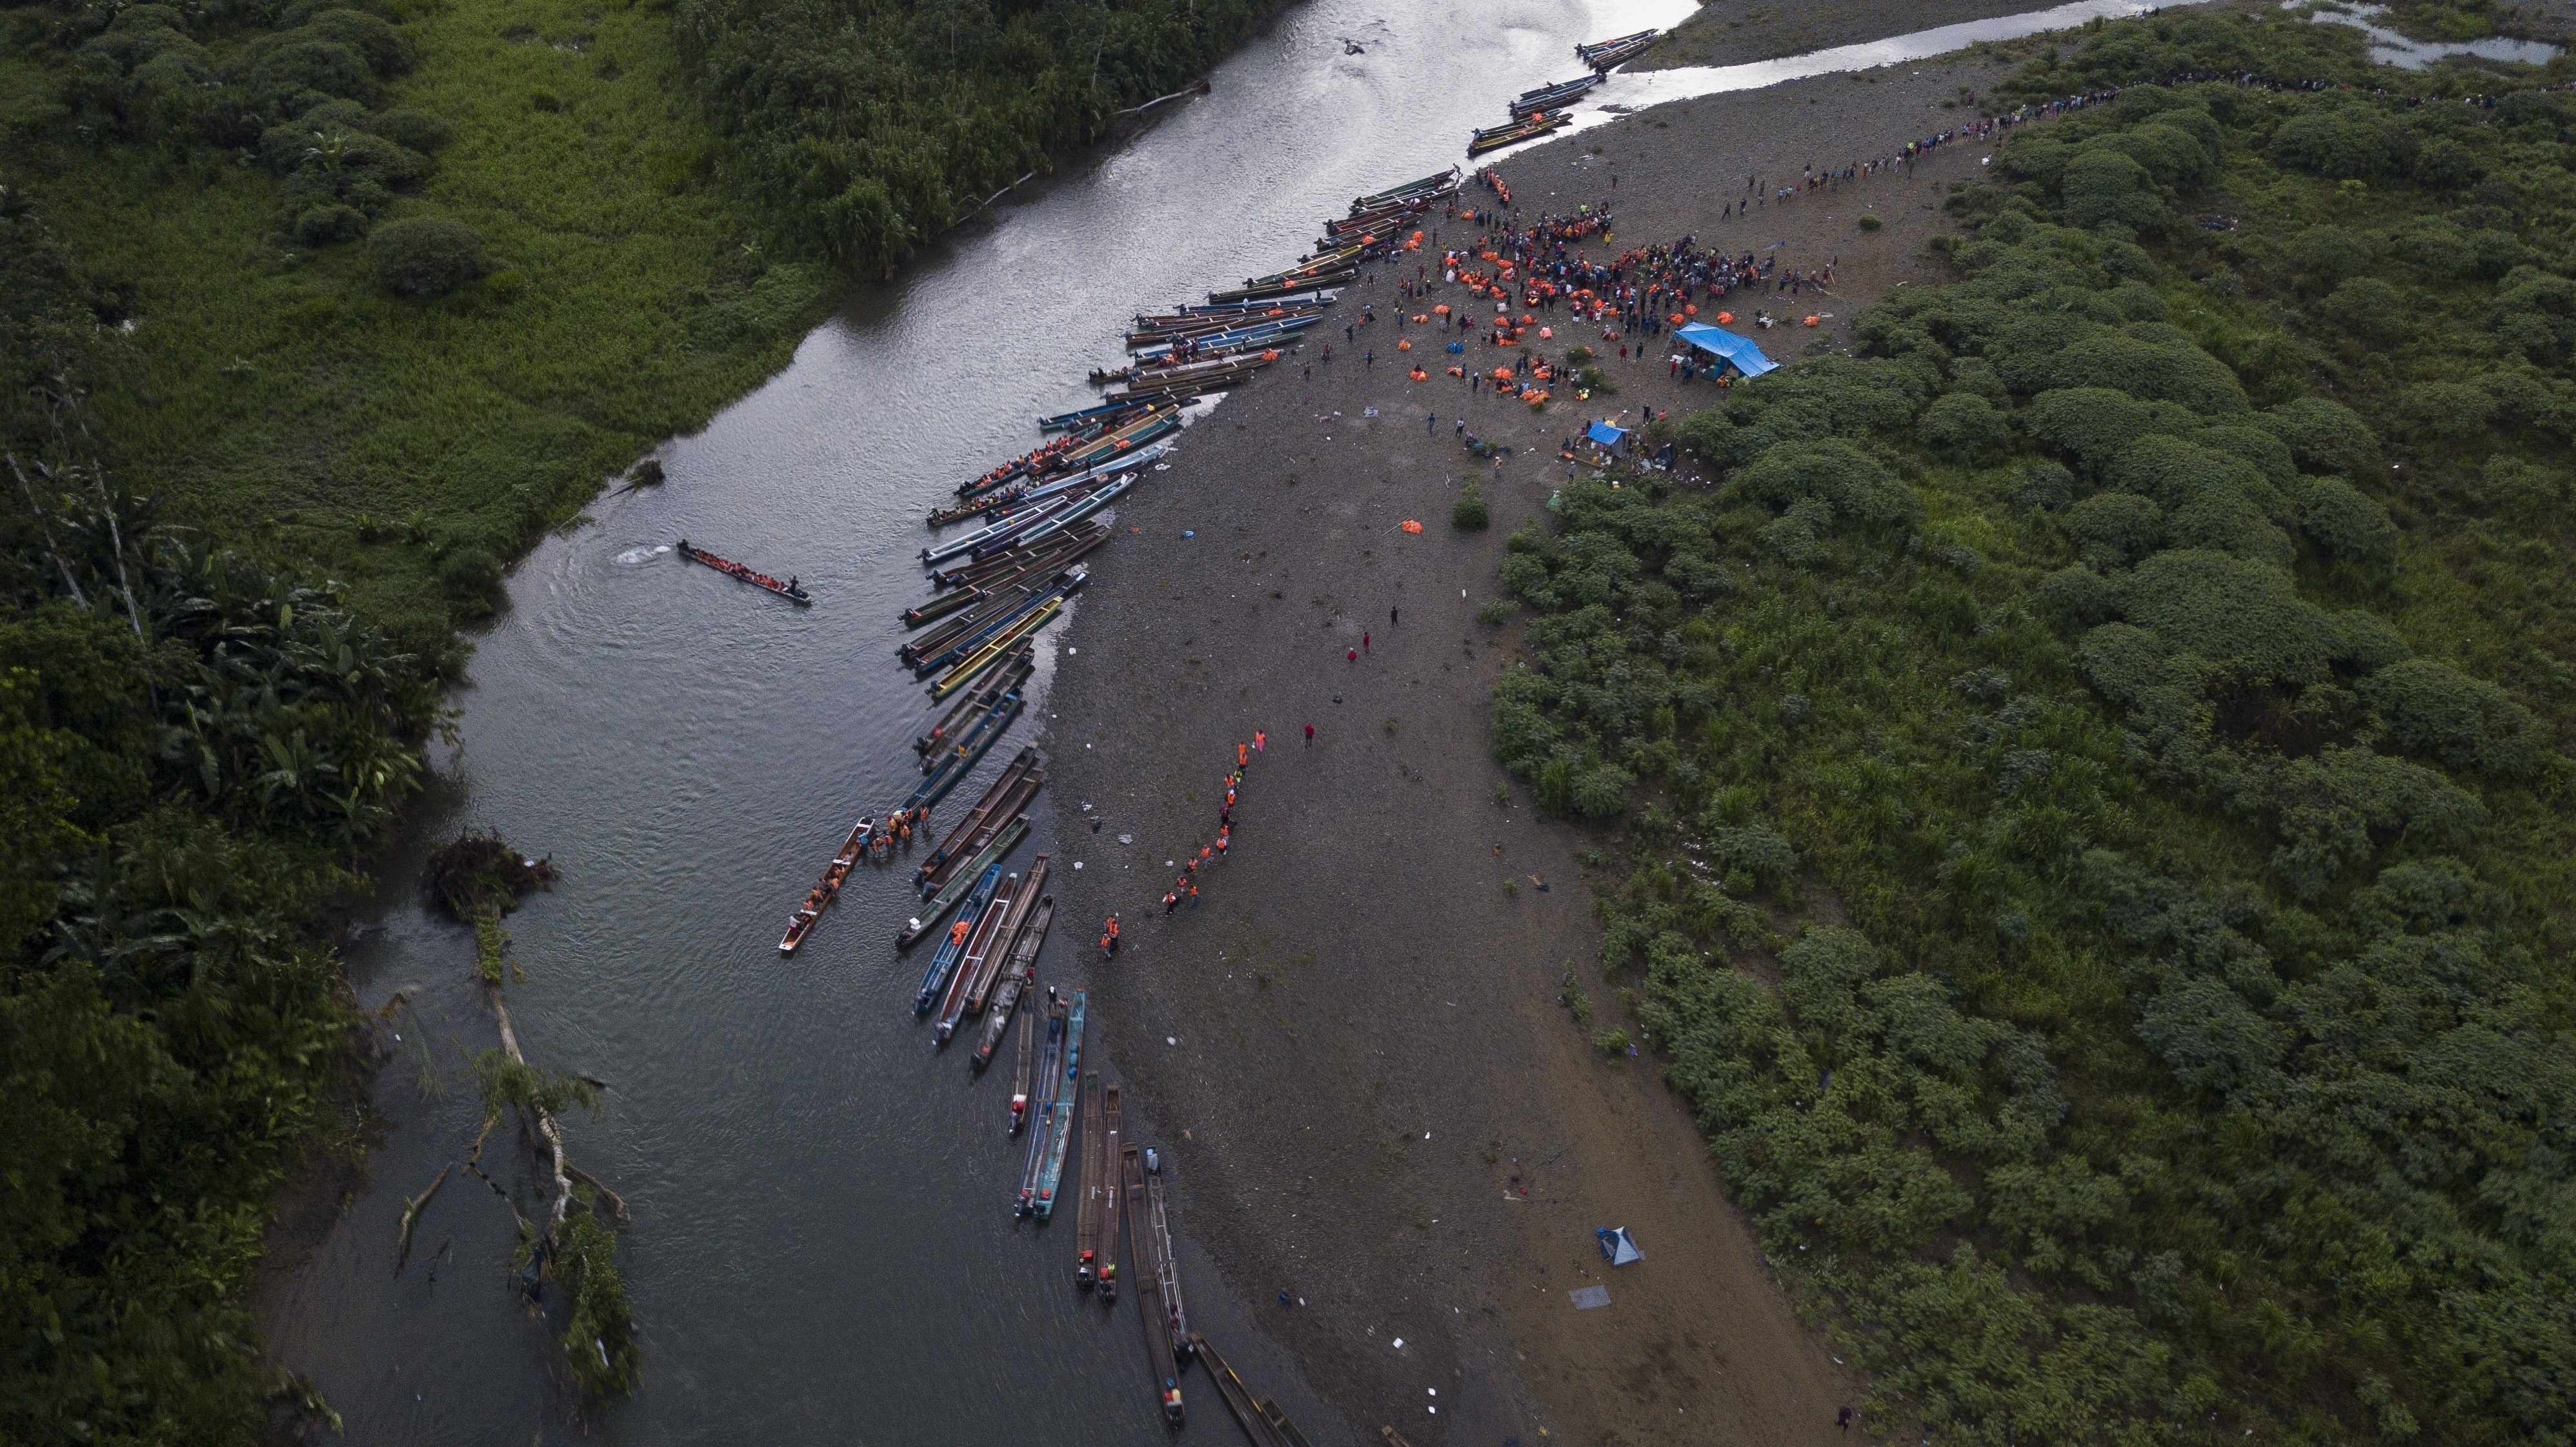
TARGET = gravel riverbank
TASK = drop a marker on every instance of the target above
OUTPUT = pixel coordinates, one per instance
(1351, 1046)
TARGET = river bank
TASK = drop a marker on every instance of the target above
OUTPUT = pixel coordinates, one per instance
(1731, 32)
(1352, 1043)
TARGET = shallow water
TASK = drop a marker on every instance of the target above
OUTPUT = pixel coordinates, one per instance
(2388, 47)
(1627, 92)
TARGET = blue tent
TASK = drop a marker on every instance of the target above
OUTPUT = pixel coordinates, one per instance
(1747, 357)
(1606, 435)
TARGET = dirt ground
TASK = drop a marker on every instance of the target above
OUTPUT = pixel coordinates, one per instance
(1352, 1042)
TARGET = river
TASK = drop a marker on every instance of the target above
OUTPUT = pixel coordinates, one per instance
(822, 1246)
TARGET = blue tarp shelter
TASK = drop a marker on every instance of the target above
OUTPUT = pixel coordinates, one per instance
(1747, 357)
(1605, 435)
(1616, 1248)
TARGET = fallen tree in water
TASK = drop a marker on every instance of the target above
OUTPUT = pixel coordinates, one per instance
(474, 879)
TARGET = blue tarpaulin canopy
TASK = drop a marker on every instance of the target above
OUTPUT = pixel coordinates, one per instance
(1616, 1247)
(1605, 434)
(1747, 357)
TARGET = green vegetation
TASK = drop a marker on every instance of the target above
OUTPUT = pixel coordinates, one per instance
(312, 314)
(865, 127)
(405, 282)
(1470, 513)
(196, 745)
(2159, 642)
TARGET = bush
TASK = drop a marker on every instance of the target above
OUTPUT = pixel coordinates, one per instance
(1763, 854)
(2326, 256)
(1469, 513)
(413, 130)
(2115, 529)
(1494, 612)
(2242, 615)
(297, 75)
(1845, 481)
(2344, 143)
(427, 256)
(2092, 424)
(2368, 308)
(2323, 435)
(470, 574)
(2102, 185)
(1966, 426)
(330, 226)
(1869, 222)
(2345, 523)
(2434, 710)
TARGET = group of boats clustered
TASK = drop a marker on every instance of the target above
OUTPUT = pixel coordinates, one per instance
(994, 588)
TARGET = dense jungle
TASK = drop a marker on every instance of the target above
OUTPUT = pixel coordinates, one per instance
(2095, 836)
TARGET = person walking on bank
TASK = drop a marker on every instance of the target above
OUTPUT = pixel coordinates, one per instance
(1260, 741)
(1310, 735)
(1109, 938)
(1242, 754)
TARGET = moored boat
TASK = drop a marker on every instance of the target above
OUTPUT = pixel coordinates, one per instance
(1518, 131)
(921, 925)
(1017, 976)
(979, 942)
(1431, 182)
(1549, 97)
(1068, 1096)
(953, 948)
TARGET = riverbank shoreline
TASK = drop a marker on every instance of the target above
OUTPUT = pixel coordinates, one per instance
(1734, 32)
(1351, 1043)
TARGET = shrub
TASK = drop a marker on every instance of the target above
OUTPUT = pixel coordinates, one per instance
(2323, 435)
(470, 574)
(2327, 255)
(2153, 368)
(2334, 811)
(2092, 424)
(2368, 308)
(2242, 615)
(1494, 612)
(427, 256)
(2434, 710)
(1964, 425)
(2115, 529)
(1868, 222)
(1763, 854)
(2345, 523)
(414, 130)
(2102, 185)
(1842, 479)
(384, 48)
(297, 75)
(330, 226)
(2344, 143)
(1469, 513)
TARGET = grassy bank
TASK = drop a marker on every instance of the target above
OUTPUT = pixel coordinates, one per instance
(270, 389)
(2159, 642)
